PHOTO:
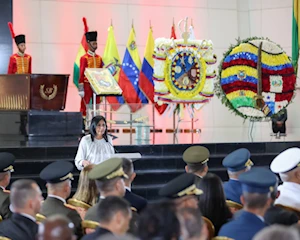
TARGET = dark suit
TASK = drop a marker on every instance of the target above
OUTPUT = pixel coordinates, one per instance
(98, 233)
(4, 204)
(18, 227)
(244, 227)
(136, 201)
(233, 190)
(53, 206)
(276, 215)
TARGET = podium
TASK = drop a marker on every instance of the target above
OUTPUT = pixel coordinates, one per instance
(30, 105)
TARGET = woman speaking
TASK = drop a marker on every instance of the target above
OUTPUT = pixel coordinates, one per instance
(95, 147)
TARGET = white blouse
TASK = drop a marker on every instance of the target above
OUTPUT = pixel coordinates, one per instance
(95, 151)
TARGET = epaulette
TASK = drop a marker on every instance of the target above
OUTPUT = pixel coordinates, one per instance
(70, 206)
(6, 191)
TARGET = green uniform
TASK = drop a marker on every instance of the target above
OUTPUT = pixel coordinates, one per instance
(4, 204)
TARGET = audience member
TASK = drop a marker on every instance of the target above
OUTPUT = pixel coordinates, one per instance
(212, 202)
(58, 176)
(136, 201)
(256, 185)
(182, 191)
(159, 221)
(6, 167)
(236, 163)
(192, 224)
(25, 197)
(277, 232)
(287, 165)
(56, 227)
(114, 215)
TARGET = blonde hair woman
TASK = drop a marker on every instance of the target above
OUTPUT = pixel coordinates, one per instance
(87, 194)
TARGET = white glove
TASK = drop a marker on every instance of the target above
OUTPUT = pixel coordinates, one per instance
(81, 94)
(81, 90)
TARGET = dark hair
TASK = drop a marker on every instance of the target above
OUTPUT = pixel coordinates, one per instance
(127, 166)
(21, 191)
(109, 206)
(159, 221)
(107, 185)
(255, 200)
(93, 126)
(197, 167)
(212, 202)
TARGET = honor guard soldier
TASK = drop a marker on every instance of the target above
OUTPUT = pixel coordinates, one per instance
(287, 164)
(236, 163)
(257, 186)
(20, 62)
(182, 190)
(58, 176)
(6, 167)
(196, 158)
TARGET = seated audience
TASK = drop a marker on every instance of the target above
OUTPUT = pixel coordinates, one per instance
(58, 176)
(86, 194)
(192, 224)
(114, 215)
(277, 232)
(256, 185)
(236, 163)
(56, 227)
(136, 201)
(159, 221)
(212, 202)
(25, 198)
(182, 191)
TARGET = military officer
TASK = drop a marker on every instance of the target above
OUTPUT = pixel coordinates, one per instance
(196, 158)
(257, 185)
(58, 176)
(182, 190)
(6, 167)
(287, 164)
(236, 163)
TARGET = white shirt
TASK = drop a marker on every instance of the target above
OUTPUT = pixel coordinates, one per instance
(96, 151)
(289, 195)
(57, 197)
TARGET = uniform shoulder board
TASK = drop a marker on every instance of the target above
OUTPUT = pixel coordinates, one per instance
(70, 206)
(6, 191)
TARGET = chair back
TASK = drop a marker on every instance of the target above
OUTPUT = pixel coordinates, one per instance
(89, 226)
(291, 209)
(77, 203)
(233, 206)
(4, 238)
(210, 228)
(222, 238)
(40, 218)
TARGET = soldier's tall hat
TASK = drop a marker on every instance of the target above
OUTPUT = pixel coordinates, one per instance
(18, 38)
(90, 36)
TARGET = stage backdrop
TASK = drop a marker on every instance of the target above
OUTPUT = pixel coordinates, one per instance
(54, 29)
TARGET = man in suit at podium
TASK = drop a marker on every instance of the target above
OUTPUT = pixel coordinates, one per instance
(89, 60)
(20, 62)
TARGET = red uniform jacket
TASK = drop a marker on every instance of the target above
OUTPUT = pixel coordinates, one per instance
(89, 60)
(19, 64)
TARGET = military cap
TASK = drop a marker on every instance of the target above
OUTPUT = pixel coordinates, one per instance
(196, 155)
(20, 39)
(57, 172)
(91, 36)
(109, 169)
(237, 160)
(183, 185)
(286, 161)
(6, 162)
(258, 180)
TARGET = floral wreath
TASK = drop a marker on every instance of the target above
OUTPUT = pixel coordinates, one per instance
(183, 73)
(256, 79)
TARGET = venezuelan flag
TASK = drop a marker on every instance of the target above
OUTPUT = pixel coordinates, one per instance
(83, 48)
(145, 82)
(111, 56)
(129, 75)
(295, 34)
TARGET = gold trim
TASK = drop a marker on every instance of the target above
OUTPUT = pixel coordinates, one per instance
(249, 163)
(233, 204)
(89, 224)
(68, 176)
(4, 238)
(117, 173)
(9, 168)
(205, 161)
(40, 217)
(77, 203)
(51, 96)
(191, 190)
(133, 209)
(222, 238)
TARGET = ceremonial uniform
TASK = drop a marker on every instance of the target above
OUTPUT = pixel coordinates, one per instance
(136, 201)
(285, 162)
(19, 227)
(89, 60)
(196, 157)
(6, 164)
(55, 173)
(235, 162)
(247, 224)
(100, 232)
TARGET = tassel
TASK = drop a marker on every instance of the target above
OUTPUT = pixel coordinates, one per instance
(11, 29)
(86, 29)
